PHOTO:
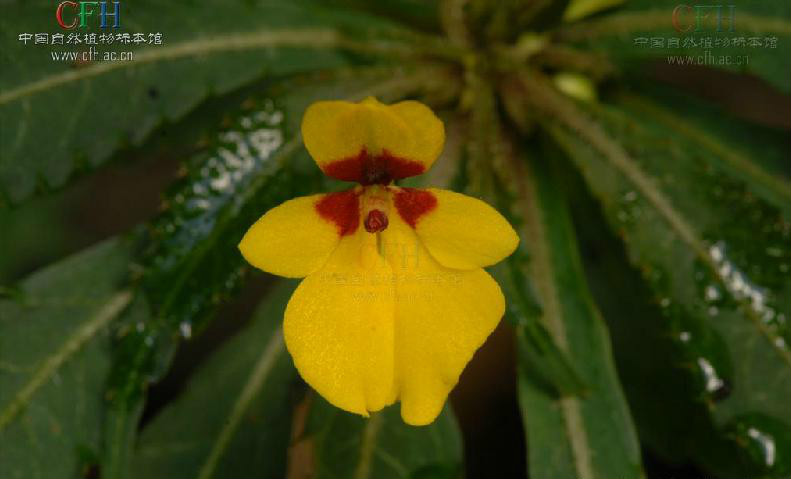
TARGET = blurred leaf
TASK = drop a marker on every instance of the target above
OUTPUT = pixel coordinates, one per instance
(715, 256)
(420, 14)
(346, 445)
(578, 9)
(592, 435)
(192, 262)
(60, 116)
(54, 361)
(505, 20)
(615, 34)
(233, 418)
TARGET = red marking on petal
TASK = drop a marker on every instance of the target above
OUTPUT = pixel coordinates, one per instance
(376, 221)
(343, 209)
(413, 203)
(367, 169)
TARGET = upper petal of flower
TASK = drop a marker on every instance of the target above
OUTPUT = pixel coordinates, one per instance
(339, 327)
(296, 238)
(370, 142)
(442, 316)
(459, 231)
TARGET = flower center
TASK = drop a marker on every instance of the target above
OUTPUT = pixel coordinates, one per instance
(376, 221)
(369, 169)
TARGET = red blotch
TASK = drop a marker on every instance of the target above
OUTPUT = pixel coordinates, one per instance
(376, 221)
(367, 169)
(343, 209)
(413, 203)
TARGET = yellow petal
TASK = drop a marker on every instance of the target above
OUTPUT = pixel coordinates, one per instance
(459, 231)
(296, 238)
(339, 327)
(370, 142)
(442, 316)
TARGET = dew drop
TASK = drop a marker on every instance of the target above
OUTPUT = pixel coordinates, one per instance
(186, 329)
(713, 382)
(712, 293)
(763, 444)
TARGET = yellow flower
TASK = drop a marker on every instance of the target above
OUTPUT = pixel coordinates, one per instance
(395, 301)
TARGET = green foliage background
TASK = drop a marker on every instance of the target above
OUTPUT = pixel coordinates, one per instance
(648, 302)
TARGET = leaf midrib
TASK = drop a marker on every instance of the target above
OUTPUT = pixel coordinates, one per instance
(238, 41)
(543, 274)
(261, 371)
(309, 38)
(106, 313)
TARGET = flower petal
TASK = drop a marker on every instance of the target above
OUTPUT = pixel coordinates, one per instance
(296, 238)
(339, 327)
(442, 316)
(370, 142)
(459, 231)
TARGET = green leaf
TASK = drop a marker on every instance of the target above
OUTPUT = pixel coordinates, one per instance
(714, 255)
(346, 445)
(738, 149)
(592, 435)
(234, 417)
(54, 361)
(490, 174)
(546, 364)
(422, 14)
(192, 262)
(615, 35)
(661, 374)
(60, 117)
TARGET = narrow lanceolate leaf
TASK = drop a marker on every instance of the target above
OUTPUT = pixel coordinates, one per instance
(192, 262)
(488, 160)
(752, 36)
(715, 256)
(347, 446)
(234, 416)
(54, 361)
(62, 115)
(588, 436)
